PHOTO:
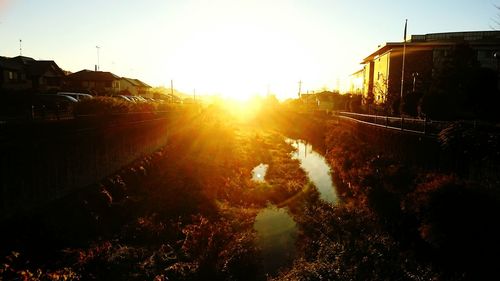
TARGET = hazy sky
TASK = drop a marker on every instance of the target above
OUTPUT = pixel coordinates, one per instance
(230, 47)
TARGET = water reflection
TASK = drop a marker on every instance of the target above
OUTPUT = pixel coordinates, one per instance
(259, 173)
(276, 229)
(276, 236)
(317, 169)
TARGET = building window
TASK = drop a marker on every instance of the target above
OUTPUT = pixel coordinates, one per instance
(12, 75)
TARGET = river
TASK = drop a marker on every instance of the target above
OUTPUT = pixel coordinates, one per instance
(276, 230)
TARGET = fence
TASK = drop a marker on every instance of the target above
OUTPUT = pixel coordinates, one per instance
(412, 125)
(44, 162)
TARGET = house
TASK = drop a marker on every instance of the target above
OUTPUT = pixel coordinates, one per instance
(143, 89)
(98, 82)
(12, 75)
(382, 69)
(309, 100)
(24, 73)
(135, 87)
(326, 100)
(356, 82)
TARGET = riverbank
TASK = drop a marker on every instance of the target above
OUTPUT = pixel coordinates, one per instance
(186, 212)
(417, 222)
(191, 211)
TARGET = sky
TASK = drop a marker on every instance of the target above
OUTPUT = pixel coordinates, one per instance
(234, 48)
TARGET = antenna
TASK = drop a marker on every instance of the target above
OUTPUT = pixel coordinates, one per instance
(20, 47)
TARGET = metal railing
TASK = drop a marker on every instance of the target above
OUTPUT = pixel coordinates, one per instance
(413, 125)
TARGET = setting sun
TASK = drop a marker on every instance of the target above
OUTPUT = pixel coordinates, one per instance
(242, 60)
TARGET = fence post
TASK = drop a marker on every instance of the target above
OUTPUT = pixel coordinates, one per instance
(386, 121)
(425, 125)
(402, 122)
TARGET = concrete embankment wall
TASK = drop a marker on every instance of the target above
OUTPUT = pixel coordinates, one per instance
(43, 164)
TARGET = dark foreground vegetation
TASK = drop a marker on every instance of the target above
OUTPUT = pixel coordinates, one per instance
(187, 211)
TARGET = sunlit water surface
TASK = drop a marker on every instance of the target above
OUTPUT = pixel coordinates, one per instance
(317, 169)
(259, 172)
(276, 236)
(276, 230)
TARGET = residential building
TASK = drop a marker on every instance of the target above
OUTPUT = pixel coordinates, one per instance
(423, 55)
(356, 82)
(135, 87)
(98, 82)
(24, 73)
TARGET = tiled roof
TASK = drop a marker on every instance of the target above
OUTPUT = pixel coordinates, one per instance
(136, 82)
(131, 81)
(42, 67)
(31, 66)
(88, 75)
(8, 63)
(142, 84)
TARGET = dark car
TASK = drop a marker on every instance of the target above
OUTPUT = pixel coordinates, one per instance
(77, 96)
(47, 106)
(18, 107)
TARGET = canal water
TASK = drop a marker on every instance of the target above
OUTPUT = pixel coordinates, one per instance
(259, 172)
(317, 169)
(276, 230)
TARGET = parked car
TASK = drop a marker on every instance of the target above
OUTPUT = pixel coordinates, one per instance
(54, 102)
(137, 98)
(19, 107)
(123, 97)
(77, 96)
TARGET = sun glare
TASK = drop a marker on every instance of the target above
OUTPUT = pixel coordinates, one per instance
(241, 61)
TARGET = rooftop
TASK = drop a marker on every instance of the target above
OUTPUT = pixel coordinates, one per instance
(440, 39)
(89, 75)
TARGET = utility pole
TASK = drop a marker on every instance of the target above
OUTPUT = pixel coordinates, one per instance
(98, 66)
(20, 47)
(403, 77)
(172, 91)
(300, 87)
(403, 70)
